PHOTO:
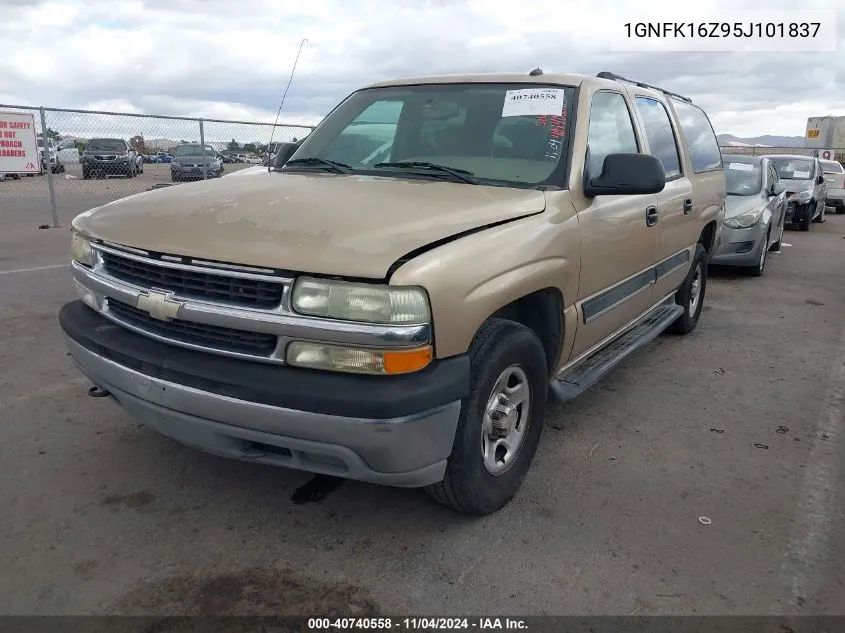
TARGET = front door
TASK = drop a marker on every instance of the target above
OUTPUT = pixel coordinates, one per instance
(618, 233)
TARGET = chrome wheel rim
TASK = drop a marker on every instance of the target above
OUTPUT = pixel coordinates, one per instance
(695, 290)
(506, 419)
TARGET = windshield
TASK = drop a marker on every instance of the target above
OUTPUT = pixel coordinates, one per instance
(831, 167)
(192, 150)
(743, 179)
(106, 145)
(500, 133)
(793, 168)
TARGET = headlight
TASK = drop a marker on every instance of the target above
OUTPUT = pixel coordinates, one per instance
(80, 250)
(175, 163)
(803, 196)
(371, 303)
(357, 360)
(744, 221)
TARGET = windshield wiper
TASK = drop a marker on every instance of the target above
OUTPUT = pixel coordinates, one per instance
(335, 166)
(459, 174)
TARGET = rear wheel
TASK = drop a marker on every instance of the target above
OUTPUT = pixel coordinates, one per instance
(690, 295)
(501, 420)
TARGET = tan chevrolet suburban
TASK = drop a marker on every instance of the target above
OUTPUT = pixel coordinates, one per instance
(398, 296)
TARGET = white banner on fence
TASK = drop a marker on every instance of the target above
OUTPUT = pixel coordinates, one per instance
(18, 144)
(827, 154)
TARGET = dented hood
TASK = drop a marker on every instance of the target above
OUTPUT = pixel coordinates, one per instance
(349, 225)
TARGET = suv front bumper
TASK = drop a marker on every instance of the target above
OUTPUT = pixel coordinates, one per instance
(391, 430)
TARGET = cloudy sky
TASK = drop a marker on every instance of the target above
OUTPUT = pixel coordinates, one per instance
(231, 59)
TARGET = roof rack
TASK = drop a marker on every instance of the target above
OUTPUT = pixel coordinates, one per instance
(609, 75)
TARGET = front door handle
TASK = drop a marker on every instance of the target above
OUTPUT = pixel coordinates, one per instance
(651, 216)
(687, 206)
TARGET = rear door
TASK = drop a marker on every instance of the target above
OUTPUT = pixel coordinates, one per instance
(674, 203)
(702, 163)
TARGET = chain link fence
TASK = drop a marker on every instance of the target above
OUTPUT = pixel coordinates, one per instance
(749, 150)
(98, 157)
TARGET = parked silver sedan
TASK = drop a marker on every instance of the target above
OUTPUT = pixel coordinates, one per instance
(755, 211)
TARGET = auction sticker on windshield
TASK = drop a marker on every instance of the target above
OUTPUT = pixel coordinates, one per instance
(534, 101)
(18, 145)
(799, 175)
(741, 166)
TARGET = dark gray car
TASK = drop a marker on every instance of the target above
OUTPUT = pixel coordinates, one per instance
(805, 187)
(755, 213)
(108, 157)
(192, 161)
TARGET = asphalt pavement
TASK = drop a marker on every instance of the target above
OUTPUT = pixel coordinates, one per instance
(705, 476)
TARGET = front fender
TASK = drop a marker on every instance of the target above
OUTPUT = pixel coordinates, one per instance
(469, 279)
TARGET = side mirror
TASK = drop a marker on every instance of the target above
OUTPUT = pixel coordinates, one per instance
(820, 180)
(627, 174)
(778, 188)
(286, 150)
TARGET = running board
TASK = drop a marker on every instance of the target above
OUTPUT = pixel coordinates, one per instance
(583, 376)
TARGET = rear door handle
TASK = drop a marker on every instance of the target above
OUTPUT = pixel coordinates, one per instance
(687, 206)
(651, 216)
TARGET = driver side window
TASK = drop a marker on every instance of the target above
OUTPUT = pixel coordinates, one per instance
(611, 130)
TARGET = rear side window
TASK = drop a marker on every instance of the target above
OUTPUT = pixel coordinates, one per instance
(831, 167)
(705, 154)
(661, 138)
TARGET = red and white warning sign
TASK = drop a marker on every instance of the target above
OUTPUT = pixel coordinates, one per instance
(18, 144)
(827, 154)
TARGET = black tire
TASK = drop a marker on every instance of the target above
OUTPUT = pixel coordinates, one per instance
(86, 175)
(468, 486)
(687, 321)
(174, 177)
(839, 210)
(775, 248)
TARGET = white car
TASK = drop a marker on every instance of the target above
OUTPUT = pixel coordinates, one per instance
(68, 152)
(56, 165)
(834, 176)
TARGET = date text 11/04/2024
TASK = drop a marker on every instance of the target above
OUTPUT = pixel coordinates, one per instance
(721, 29)
(416, 624)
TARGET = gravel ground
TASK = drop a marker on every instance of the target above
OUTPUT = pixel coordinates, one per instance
(104, 516)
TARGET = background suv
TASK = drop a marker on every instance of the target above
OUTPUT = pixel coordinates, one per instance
(109, 157)
(188, 161)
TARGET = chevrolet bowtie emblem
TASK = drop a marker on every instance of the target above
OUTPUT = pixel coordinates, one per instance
(159, 305)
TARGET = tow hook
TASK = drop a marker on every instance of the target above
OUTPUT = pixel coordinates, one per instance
(98, 392)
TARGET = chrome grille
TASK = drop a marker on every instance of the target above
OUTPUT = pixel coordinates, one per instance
(214, 337)
(191, 283)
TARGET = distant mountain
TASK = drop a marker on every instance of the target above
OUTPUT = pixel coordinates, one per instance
(767, 140)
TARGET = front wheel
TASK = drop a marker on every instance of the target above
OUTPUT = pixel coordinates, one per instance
(757, 269)
(820, 219)
(775, 248)
(690, 295)
(501, 420)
